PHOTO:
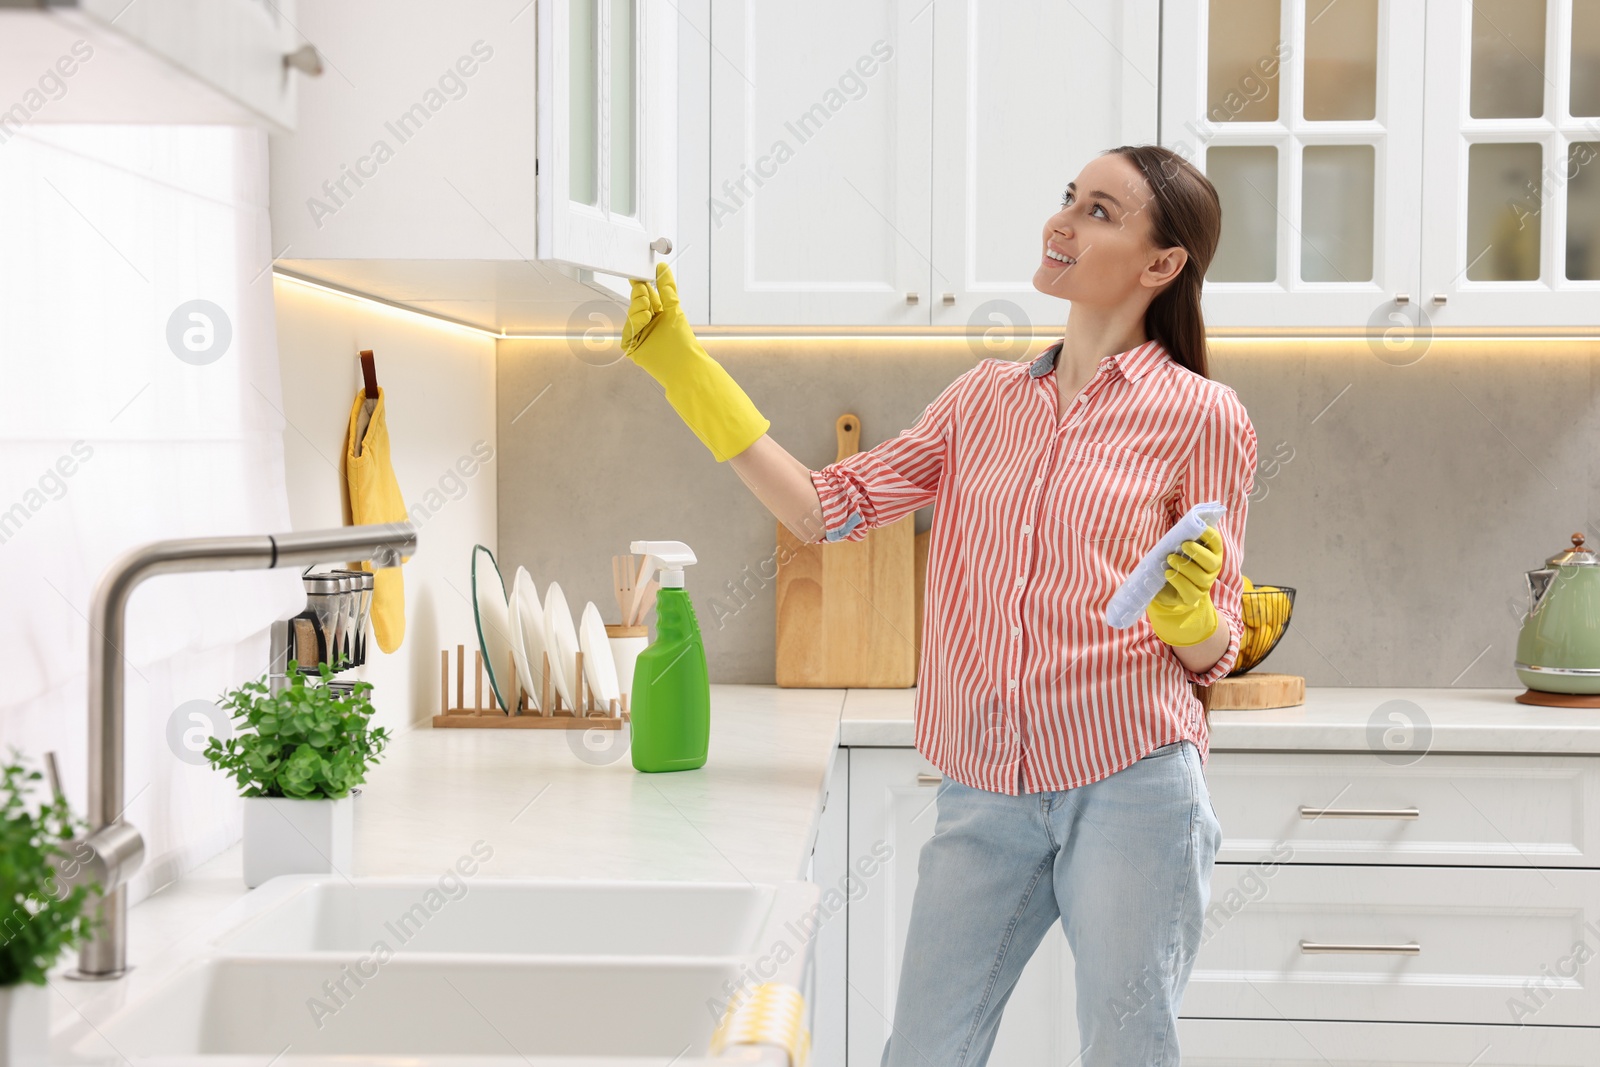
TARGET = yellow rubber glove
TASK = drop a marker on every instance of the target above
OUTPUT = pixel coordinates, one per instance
(657, 337)
(1182, 613)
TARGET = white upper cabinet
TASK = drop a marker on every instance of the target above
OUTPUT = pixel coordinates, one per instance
(1025, 94)
(1307, 117)
(151, 61)
(464, 159)
(893, 164)
(1387, 163)
(1511, 220)
(821, 120)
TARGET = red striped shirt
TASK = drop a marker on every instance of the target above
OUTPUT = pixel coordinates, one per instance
(1022, 685)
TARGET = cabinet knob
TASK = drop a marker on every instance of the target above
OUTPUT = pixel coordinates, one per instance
(912, 298)
(1402, 298)
(949, 298)
(661, 246)
(1440, 299)
(304, 59)
(929, 779)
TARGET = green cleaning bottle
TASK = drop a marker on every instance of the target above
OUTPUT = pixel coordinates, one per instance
(670, 702)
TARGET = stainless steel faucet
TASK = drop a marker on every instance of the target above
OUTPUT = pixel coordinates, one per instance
(114, 848)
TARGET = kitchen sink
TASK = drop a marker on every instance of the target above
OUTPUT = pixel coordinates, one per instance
(523, 917)
(541, 972)
(447, 1006)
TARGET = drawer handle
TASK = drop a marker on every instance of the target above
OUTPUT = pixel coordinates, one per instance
(928, 779)
(1410, 948)
(1358, 813)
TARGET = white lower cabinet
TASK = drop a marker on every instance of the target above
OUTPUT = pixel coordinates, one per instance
(830, 862)
(1413, 944)
(891, 815)
(1523, 810)
(1265, 1043)
(1362, 913)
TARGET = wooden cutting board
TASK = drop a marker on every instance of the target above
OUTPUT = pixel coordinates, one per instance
(847, 609)
(1257, 691)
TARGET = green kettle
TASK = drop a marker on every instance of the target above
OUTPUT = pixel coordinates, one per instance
(1558, 648)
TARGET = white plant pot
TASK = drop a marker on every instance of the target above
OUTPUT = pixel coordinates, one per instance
(284, 836)
(24, 1025)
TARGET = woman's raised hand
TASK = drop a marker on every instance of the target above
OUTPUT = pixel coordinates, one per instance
(657, 337)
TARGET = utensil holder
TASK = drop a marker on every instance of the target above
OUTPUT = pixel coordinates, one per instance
(551, 714)
(626, 643)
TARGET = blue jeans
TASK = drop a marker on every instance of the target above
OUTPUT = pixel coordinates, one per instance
(1125, 862)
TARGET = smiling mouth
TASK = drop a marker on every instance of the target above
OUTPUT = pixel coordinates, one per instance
(1056, 257)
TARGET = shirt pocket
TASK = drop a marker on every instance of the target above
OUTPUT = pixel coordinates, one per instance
(1110, 497)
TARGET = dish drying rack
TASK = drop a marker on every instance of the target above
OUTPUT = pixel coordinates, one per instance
(554, 716)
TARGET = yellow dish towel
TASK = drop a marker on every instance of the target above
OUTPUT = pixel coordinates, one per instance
(770, 1014)
(375, 498)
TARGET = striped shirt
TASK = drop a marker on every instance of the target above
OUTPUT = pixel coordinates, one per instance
(1022, 684)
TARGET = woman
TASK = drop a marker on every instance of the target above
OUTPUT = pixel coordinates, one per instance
(1072, 752)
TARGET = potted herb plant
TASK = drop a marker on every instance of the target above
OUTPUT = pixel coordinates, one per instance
(43, 917)
(296, 754)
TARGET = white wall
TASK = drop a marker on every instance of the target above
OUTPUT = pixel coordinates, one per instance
(439, 388)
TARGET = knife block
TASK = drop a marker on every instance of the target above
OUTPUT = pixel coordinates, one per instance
(555, 716)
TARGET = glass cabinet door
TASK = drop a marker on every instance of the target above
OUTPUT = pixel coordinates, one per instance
(1306, 116)
(607, 124)
(1511, 219)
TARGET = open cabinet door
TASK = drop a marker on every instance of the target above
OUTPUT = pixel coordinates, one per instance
(608, 120)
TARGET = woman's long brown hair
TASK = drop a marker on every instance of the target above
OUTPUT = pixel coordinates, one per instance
(1185, 211)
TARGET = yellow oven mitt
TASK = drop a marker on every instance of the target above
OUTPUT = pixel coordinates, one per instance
(375, 498)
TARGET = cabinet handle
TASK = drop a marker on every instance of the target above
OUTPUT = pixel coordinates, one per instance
(1410, 948)
(949, 298)
(1440, 299)
(1402, 298)
(661, 246)
(304, 59)
(928, 779)
(912, 298)
(1359, 813)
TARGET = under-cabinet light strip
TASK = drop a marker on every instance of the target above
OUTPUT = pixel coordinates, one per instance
(378, 301)
(947, 333)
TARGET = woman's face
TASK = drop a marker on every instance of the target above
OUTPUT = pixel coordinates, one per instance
(1104, 228)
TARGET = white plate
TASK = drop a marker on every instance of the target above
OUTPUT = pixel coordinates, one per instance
(493, 619)
(527, 630)
(598, 665)
(562, 638)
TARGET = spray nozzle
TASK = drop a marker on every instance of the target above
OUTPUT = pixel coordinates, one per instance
(670, 557)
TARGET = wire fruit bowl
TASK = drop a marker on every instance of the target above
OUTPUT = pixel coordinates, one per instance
(1265, 613)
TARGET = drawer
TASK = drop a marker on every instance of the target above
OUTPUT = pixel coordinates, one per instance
(1345, 807)
(1279, 943)
(1266, 1043)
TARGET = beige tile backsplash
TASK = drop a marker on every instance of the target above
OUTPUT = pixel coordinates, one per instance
(1405, 503)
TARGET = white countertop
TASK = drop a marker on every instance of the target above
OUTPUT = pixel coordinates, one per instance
(1332, 719)
(751, 813)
